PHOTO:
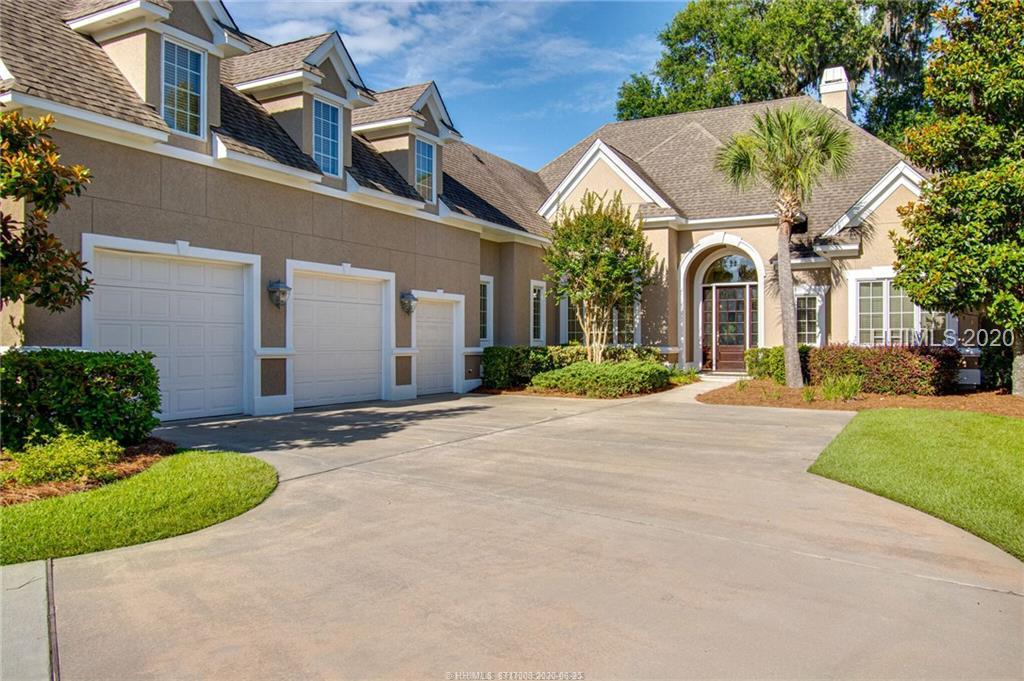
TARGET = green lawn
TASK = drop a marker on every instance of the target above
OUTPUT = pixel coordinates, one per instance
(179, 494)
(966, 468)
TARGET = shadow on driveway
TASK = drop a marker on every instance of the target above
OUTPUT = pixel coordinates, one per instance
(334, 426)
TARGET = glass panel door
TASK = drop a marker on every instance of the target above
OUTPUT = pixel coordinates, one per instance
(730, 327)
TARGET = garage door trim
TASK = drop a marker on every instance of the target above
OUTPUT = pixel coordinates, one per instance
(345, 270)
(184, 251)
(458, 332)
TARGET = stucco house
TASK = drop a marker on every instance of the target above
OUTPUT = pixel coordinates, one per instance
(281, 235)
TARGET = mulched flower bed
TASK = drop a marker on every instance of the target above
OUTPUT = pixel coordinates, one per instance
(770, 394)
(136, 459)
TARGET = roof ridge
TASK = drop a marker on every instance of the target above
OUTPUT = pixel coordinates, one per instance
(404, 87)
(713, 108)
(502, 158)
(290, 42)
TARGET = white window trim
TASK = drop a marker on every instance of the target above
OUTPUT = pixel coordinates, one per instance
(203, 86)
(534, 285)
(433, 173)
(341, 131)
(821, 293)
(884, 274)
(489, 281)
(636, 325)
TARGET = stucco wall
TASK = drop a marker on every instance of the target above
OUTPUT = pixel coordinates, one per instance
(145, 196)
(601, 179)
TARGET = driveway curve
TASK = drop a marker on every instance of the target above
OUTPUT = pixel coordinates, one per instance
(647, 538)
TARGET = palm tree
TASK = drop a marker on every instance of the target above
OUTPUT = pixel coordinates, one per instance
(789, 150)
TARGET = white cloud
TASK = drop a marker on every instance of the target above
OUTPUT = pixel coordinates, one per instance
(466, 47)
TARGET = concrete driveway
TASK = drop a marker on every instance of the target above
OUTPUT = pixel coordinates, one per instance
(651, 538)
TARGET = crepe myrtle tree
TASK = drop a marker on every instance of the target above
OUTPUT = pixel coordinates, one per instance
(36, 267)
(598, 259)
(789, 150)
(964, 243)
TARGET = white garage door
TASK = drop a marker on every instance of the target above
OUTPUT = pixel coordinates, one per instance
(434, 342)
(337, 326)
(188, 313)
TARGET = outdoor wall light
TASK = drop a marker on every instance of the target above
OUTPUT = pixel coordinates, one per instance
(278, 292)
(408, 302)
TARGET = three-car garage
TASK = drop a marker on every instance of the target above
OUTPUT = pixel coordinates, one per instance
(198, 312)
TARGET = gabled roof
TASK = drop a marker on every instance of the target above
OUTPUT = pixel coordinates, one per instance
(390, 104)
(480, 185)
(270, 61)
(48, 59)
(405, 102)
(677, 152)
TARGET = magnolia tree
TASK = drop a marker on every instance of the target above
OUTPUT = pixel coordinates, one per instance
(598, 260)
(37, 268)
(964, 248)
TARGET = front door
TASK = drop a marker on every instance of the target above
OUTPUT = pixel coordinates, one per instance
(730, 327)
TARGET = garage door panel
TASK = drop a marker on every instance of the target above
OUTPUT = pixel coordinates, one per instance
(434, 341)
(337, 339)
(189, 313)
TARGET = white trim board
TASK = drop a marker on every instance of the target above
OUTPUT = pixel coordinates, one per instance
(346, 271)
(900, 175)
(251, 376)
(598, 151)
(732, 244)
(459, 382)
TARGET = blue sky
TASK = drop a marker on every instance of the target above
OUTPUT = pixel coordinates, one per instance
(524, 80)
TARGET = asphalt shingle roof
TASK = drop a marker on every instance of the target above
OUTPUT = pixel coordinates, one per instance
(50, 60)
(76, 9)
(390, 104)
(270, 61)
(677, 153)
(484, 186)
(247, 128)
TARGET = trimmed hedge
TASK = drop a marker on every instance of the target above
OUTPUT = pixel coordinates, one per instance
(513, 366)
(771, 363)
(886, 369)
(106, 394)
(608, 379)
(890, 369)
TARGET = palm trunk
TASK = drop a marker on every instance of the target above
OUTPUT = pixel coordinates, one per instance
(787, 304)
(1017, 373)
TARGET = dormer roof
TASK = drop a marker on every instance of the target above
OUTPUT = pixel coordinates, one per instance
(76, 9)
(408, 101)
(268, 61)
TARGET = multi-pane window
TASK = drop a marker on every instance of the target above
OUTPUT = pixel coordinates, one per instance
(807, 320)
(887, 316)
(486, 305)
(574, 330)
(183, 89)
(326, 137)
(425, 170)
(623, 324)
(537, 314)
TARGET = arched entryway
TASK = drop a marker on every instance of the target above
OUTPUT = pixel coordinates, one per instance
(721, 302)
(728, 311)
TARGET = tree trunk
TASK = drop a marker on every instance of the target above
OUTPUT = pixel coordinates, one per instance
(1017, 374)
(787, 303)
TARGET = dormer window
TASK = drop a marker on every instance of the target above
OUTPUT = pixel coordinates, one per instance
(425, 170)
(327, 137)
(183, 89)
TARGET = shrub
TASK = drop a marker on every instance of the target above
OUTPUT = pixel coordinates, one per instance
(614, 379)
(512, 366)
(679, 376)
(771, 363)
(996, 364)
(808, 393)
(894, 370)
(564, 355)
(844, 387)
(66, 456)
(107, 394)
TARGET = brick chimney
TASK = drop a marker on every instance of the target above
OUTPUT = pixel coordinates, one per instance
(836, 90)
